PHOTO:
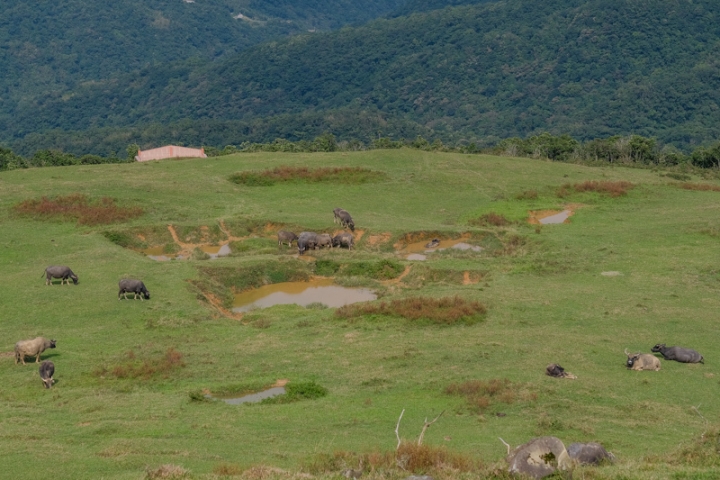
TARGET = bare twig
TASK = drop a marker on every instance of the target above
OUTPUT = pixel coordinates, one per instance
(426, 426)
(506, 444)
(397, 429)
(697, 410)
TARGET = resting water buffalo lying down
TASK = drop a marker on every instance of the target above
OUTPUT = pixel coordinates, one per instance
(345, 218)
(642, 361)
(343, 240)
(306, 241)
(589, 453)
(286, 237)
(323, 240)
(32, 348)
(62, 272)
(135, 287)
(47, 370)
(555, 370)
(679, 354)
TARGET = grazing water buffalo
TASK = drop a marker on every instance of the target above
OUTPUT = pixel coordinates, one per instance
(679, 354)
(286, 237)
(589, 453)
(345, 218)
(47, 370)
(135, 287)
(323, 240)
(306, 241)
(343, 240)
(642, 361)
(62, 272)
(32, 348)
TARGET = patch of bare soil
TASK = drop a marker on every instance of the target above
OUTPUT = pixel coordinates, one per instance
(398, 279)
(358, 235)
(7, 354)
(217, 305)
(379, 239)
(537, 215)
(470, 278)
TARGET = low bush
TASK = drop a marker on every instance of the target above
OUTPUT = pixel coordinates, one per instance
(490, 220)
(445, 310)
(78, 207)
(167, 472)
(527, 195)
(481, 394)
(346, 175)
(295, 392)
(702, 187)
(612, 189)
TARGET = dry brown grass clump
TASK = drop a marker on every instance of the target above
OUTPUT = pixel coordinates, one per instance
(481, 394)
(445, 310)
(703, 187)
(612, 189)
(146, 368)
(80, 208)
(347, 175)
(169, 471)
(490, 220)
(527, 195)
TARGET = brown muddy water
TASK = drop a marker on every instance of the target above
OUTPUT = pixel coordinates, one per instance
(301, 293)
(417, 249)
(253, 397)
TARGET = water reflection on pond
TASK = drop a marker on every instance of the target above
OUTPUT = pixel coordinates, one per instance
(254, 397)
(301, 293)
(556, 218)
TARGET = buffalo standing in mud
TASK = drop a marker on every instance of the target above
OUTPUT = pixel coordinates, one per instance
(135, 287)
(344, 217)
(642, 361)
(306, 241)
(32, 348)
(286, 237)
(679, 354)
(62, 272)
(47, 370)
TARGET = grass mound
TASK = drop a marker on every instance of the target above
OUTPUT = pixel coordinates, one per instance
(611, 189)
(480, 395)
(345, 175)
(445, 310)
(78, 207)
(379, 270)
(294, 392)
(145, 368)
(490, 220)
(702, 187)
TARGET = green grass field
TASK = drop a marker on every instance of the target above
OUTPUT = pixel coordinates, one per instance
(547, 303)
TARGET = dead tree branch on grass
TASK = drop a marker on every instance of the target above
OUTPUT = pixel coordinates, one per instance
(426, 426)
(397, 430)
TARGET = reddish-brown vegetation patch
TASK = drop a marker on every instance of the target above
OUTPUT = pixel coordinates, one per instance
(347, 175)
(445, 310)
(490, 220)
(80, 208)
(703, 187)
(481, 394)
(612, 189)
(146, 368)
(527, 195)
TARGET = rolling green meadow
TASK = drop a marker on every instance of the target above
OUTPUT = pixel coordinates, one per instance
(129, 373)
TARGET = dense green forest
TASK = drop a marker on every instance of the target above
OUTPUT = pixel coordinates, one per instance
(463, 74)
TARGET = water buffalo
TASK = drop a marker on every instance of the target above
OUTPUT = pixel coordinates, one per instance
(679, 354)
(306, 241)
(642, 361)
(47, 370)
(62, 272)
(589, 453)
(433, 243)
(343, 240)
(344, 217)
(133, 286)
(286, 237)
(32, 348)
(555, 370)
(323, 240)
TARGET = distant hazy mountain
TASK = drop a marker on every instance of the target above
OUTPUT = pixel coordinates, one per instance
(469, 73)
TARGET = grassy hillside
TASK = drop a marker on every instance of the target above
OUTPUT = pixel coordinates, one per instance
(126, 370)
(472, 73)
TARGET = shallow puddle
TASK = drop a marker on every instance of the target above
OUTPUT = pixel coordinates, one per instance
(417, 256)
(467, 246)
(301, 293)
(158, 252)
(557, 218)
(253, 397)
(420, 247)
(216, 251)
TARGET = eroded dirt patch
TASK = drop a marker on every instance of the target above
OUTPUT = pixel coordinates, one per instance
(547, 217)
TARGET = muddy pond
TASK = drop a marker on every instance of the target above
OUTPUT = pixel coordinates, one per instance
(301, 293)
(416, 251)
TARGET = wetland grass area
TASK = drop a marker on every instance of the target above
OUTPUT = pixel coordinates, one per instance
(133, 378)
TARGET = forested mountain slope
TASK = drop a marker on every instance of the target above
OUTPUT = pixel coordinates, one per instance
(468, 73)
(56, 45)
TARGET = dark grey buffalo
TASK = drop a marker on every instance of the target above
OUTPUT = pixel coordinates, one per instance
(62, 272)
(344, 217)
(679, 354)
(286, 237)
(306, 241)
(343, 240)
(135, 287)
(47, 370)
(589, 453)
(433, 243)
